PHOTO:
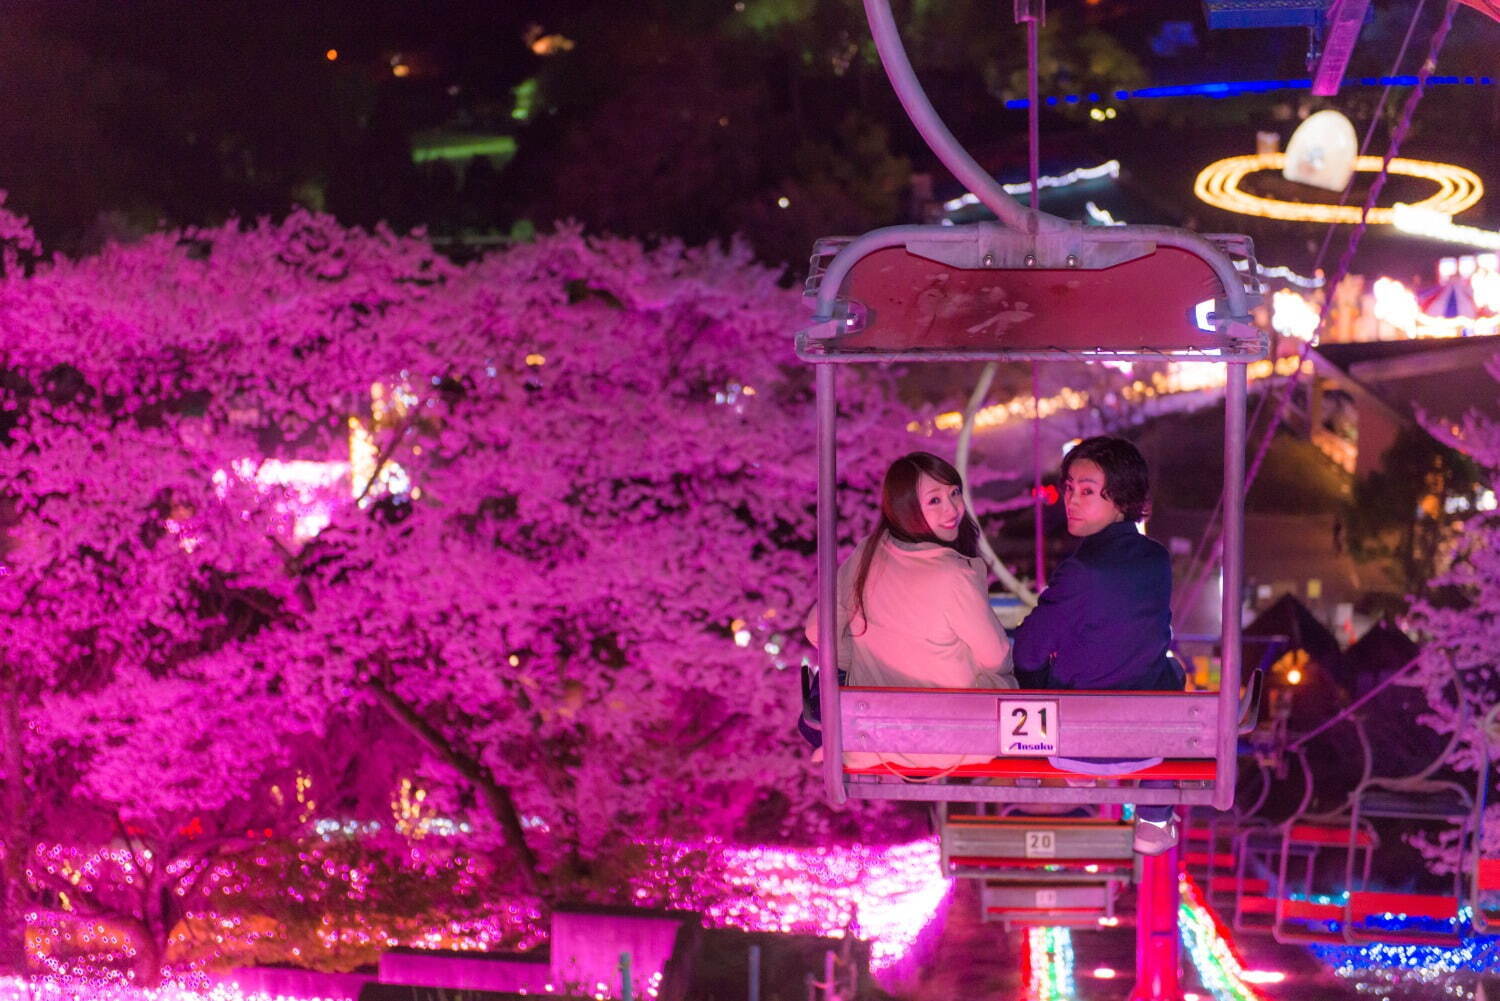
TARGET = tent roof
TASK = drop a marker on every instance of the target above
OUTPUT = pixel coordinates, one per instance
(1289, 617)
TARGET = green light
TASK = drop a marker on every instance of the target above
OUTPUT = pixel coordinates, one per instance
(426, 149)
(526, 95)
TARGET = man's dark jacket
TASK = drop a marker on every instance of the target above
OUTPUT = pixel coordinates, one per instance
(1105, 620)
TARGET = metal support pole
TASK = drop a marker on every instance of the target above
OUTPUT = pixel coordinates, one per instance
(1038, 508)
(1157, 937)
(830, 976)
(828, 568)
(752, 992)
(626, 987)
(1030, 11)
(1233, 541)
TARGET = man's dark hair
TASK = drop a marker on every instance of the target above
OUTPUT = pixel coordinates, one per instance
(1127, 481)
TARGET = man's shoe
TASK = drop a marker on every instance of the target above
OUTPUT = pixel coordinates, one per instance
(1153, 837)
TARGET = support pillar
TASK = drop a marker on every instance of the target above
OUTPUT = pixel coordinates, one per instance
(1158, 940)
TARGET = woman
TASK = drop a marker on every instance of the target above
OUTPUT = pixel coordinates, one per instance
(913, 609)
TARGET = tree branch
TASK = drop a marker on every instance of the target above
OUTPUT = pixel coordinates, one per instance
(502, 805)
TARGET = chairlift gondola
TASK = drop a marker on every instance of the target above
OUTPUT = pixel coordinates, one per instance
(986, 291)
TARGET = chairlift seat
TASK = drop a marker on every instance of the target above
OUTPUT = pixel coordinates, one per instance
(1181, 726)
(1364, 904)
(1293, 922)
(1020, 869)
(1257, 905)
(1310, 910)
(1487, 875)
(975, 845)
(1042, 903)
(1175, 770)
(1231, 884)
(1444, 804)
(1319, 835)
(1214, 860)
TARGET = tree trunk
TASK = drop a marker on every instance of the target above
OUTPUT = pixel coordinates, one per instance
(13, 839)
(497, 798)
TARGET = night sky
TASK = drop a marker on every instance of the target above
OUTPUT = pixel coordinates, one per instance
(694, 119)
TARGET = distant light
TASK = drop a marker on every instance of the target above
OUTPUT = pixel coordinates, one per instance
(1104, 973)
(1101, 216)
(1262, 976)
(401, 69)
(783, 202)
(1440, 226)
(1294, 316)
(1294, 677)
(513, 660)
(535, 360)
(1109, 168)
(1110, 922)
(331, 55)
(1218, 184)
(551, 45)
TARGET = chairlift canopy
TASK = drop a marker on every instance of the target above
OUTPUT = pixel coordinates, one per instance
(984, 291)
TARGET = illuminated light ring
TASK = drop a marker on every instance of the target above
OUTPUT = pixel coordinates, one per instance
(1218, 184)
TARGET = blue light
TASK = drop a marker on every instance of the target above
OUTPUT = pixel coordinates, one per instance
(1234, 88)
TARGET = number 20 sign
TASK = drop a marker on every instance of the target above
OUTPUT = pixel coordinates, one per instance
(1028, 728)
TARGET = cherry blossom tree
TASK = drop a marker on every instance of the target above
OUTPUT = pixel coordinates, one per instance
(1458, 619)
(551, 513)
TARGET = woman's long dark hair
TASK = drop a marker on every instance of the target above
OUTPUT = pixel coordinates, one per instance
(901, 516)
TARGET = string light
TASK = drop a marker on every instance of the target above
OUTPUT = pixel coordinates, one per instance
(1047, 965)
(1109, 168)
(1218, 184)
(1211, 950)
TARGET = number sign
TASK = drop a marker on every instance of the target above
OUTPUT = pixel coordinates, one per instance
(1028, 729)
(1041, 844)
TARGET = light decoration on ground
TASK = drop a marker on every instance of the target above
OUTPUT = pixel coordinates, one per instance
(84, 989)
(895, 897)
(1449, 968)
(1211, 950)
(1047, 965)
(1218, 184)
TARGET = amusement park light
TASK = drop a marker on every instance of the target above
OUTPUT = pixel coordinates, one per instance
(1440, 226)
(1218, 184)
